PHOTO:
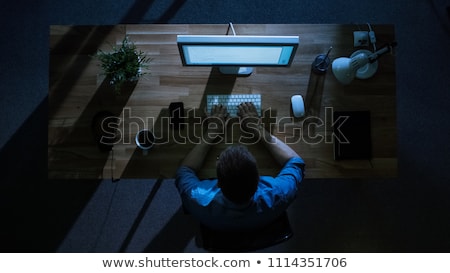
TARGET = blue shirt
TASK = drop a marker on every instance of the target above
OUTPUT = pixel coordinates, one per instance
(206, 202)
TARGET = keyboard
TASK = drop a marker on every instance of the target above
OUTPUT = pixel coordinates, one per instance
(232, 101)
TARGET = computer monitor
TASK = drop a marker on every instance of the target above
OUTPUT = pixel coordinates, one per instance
(237, 54)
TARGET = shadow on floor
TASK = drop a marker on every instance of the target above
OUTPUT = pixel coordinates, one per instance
(175, 235)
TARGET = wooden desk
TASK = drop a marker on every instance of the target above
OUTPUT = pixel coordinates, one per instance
(78, 91)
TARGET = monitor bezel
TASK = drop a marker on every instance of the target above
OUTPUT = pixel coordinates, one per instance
(238, 40)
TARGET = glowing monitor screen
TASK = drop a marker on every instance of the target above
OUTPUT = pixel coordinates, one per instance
(225, 50)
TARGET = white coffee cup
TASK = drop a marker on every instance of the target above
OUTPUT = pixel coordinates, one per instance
(145, 140)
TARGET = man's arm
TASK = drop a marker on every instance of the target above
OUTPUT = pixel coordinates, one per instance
(216, 127)
(279, 150)
(194, 159)
(251, 123)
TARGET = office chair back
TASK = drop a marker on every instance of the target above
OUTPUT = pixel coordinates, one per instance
(244, 241)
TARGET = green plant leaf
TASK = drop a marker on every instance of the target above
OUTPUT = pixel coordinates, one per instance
(123, 64)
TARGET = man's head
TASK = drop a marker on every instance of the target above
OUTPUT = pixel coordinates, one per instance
(237, 174)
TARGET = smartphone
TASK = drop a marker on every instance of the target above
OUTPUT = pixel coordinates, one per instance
(176, 110)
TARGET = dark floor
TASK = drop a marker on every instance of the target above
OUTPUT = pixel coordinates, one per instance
(408, 214)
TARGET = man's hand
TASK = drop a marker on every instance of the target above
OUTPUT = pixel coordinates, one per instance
(215, 127)
(251, 124)
(250, 121)
(216, 123)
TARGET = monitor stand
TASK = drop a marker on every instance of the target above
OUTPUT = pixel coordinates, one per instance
(236, 70)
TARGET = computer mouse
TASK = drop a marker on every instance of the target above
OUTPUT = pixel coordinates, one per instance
(298, 106)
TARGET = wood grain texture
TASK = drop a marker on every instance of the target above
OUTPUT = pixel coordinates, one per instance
(78, 91)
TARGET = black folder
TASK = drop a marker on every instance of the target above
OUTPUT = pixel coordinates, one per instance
(352, 136)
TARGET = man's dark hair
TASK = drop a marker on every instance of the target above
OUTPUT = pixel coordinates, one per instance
(237, 174)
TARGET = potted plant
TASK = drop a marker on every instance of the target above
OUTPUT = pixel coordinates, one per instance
(124, 64)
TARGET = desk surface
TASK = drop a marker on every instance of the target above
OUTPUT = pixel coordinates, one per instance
(77, 91)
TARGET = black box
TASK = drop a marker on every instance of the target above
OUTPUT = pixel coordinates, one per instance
(352, 135)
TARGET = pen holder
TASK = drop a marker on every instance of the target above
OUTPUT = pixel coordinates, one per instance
(320, 64)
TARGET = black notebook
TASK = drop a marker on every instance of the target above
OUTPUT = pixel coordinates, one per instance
(352, 138)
